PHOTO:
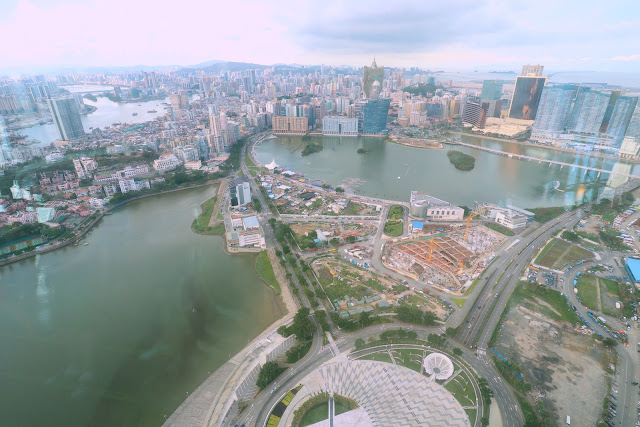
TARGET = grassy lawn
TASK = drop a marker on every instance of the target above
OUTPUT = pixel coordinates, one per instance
(500, 229)
(472, 415)
(351, 209)
(408, 358)
(379, 357)
(528, 295)
(340, 288)
(612, 288)
(587, 291)
(558, 253)
(546, 214)
(200, 225)
(395, 212)
(465, 395)
(459, 301)
(375, 285)
(545, 251)
(576, 254)
(316, 414)
(265, 271)
(393, 228)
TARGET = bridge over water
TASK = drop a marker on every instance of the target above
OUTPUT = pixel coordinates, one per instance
(550, 162)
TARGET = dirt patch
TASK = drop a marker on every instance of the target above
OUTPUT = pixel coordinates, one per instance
(563, 367)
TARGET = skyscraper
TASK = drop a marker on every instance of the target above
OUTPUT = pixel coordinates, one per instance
(375, 114)
(554, 111)
(532, 70)
(475, 112)
(620, 118)
(66, 117)
(491, 90)
(370, 75)
(588, 111)
(526, 97)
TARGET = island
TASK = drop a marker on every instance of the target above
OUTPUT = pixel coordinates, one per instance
(461, 161)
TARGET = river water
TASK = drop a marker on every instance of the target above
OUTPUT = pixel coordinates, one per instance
(117, 332)
(107, 114)
(391, 171)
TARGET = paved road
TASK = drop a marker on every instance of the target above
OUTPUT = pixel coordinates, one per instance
(628, 357)
(500, 279)
(258, 412)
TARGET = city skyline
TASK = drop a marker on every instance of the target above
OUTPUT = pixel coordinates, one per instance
(465, 35)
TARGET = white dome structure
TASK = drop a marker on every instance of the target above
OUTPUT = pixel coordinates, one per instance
(271, 166)
(438, 366)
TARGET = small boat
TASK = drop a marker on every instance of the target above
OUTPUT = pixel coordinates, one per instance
(86, 243)
(152, 111)
(398, 177)
(134, 114)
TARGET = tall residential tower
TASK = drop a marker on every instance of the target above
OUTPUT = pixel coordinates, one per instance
(66, 117)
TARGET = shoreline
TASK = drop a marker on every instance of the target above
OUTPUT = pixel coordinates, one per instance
(210, 400)
(64, 243)
(549, 147)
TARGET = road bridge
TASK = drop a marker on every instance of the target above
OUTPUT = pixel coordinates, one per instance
(550, 162)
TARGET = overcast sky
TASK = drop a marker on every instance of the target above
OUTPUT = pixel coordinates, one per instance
(450, 35)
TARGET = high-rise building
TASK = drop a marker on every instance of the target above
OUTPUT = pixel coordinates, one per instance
(290, 125)
(554, 111)
(339, 125)
(491, 90)
(239, 191)
(474, 113)
(375, 114)
(588, 112)
(493, 107)
(532, 70)
(370, 75)
(526, 97)
(618, 121)
(66, 117)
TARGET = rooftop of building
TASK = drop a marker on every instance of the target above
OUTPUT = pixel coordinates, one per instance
(420, 198)
(634, 267)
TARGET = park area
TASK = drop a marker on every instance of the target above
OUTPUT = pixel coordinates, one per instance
(560, 253)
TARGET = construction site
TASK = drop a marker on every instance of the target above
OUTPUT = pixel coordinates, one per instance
(447, 259)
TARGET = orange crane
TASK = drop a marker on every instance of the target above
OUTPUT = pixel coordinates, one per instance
(431, 248)
(470, 217)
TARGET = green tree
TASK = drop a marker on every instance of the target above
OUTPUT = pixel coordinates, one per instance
(302, 326)
(359, 343)
(436, 340)
(351, 239)
(457, 351)
(339, 190)
(268, 373)
(451, 332)
(334, 242)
